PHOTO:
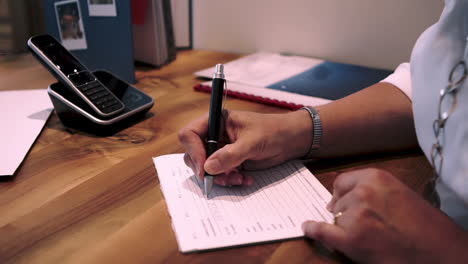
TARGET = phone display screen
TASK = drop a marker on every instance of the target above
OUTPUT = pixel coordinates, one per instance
(81, 78)
(60, 56)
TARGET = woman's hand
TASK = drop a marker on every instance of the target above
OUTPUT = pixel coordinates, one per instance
(383, 221)
(251, 141)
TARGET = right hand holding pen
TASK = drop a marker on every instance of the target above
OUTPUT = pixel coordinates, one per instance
(251, 141)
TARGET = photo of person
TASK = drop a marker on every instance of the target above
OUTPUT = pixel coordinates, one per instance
(102, 8)
(70, 24)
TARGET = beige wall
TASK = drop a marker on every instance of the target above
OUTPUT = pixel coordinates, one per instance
(377, 33)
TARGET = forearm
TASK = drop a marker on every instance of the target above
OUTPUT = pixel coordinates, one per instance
(376, 119)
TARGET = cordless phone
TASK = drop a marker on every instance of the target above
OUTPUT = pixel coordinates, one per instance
(74, 75)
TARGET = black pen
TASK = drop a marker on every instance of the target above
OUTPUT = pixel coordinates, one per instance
(214, 120)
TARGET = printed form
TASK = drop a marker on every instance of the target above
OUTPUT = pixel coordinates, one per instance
(273, 208)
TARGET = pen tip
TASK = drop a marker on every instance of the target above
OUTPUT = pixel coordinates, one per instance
(208, 184)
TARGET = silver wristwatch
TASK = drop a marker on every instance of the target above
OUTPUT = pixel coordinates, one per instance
(316, 130)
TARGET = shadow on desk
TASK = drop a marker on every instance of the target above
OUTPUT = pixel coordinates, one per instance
(97, 131)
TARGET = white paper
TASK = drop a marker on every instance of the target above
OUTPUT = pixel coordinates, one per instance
(252, 74)
(273, 208)
(22, 115)
(262, 69)
(102, 8)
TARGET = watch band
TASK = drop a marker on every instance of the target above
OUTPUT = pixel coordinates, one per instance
(316, 130)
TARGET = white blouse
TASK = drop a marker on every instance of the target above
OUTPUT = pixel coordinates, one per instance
(436, 52)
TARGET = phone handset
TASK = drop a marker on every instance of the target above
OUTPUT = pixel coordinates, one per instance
(95, 93)
(72, 73)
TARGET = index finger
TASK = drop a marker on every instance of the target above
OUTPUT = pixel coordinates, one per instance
(191, 136)
(344, 183)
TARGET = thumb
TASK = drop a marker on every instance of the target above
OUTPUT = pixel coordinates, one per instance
(227, 158)
(332, 235)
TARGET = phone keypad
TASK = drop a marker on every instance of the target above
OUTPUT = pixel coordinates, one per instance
(101, 97)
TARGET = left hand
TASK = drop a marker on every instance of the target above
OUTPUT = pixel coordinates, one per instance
(383, 221)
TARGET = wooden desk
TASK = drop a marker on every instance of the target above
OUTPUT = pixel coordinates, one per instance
(78, 198)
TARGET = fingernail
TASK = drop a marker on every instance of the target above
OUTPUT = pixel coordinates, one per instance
(223, 183)
(304, 226)
(220, 181)
(237, 180)
(330, 205)
(248, 180)
(213, 166)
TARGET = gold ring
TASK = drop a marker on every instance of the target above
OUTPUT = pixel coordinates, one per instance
(336, 216)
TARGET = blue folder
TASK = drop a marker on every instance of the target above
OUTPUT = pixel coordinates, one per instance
(109, 39)
(331, 80)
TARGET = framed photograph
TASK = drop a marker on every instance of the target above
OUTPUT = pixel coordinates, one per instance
(102, 8)
(70, 24)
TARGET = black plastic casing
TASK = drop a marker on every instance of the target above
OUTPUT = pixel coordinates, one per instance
(215, 117)
(74, 113)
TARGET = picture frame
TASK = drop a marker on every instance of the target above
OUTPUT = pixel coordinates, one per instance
(70, 24)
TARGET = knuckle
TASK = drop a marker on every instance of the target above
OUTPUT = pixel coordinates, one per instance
(183, 134)
(228, 152)
(226, 157)
(226, 114)
(363, 193)
(378, 175)
(260, 147)
(364, 214)
(338, 180)
(230, 118)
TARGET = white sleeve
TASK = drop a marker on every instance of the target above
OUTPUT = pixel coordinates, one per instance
(401, 78)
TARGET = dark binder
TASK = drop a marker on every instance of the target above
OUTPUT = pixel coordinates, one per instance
(153, 36)
(109, 39)
(171, 46)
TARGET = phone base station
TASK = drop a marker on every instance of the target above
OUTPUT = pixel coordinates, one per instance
(74, 113)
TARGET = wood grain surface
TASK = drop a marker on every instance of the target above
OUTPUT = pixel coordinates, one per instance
(78, 198)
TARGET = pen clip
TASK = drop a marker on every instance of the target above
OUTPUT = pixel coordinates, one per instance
(224, 95)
